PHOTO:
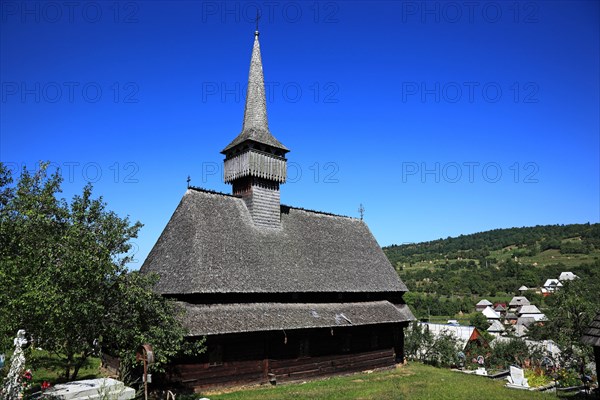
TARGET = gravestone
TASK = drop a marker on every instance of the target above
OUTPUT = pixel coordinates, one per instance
(91, 389)
(517, 378)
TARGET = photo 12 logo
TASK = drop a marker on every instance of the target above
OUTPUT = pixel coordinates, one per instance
(470, 12)
(469, 92)
(326, 12)
(289, 92)
(317, 172)
(70, 12)
(469, 171)
(69, 92)
(91, 171)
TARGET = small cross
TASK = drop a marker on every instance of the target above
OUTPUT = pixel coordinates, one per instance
(257, 18)
(188, 181)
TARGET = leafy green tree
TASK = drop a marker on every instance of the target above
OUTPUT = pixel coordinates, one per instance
(417, 341)
(63, 276)
(570, 310)
(445, 351)
(479, 321)
(138, 315)
(420, 344)
(513, 352)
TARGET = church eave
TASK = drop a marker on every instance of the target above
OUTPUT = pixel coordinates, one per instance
(249, 136)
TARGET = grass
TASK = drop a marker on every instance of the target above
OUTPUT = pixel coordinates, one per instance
(542, 259)
(412, 381)
(45, 366)
(464, 319)
(549, 257)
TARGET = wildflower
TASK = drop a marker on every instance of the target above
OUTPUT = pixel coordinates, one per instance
(45, 385)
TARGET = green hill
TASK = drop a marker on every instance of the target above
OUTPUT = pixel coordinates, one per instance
(449, 275)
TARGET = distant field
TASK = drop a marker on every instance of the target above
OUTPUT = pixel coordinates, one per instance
(543, 259)
(413, 381)
(553, 256)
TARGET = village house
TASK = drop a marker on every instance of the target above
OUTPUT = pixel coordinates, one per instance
(517, 302)
(531, 311)
(490, 314)
(280, 293)
(510, 318)
(500, 308)
(482, 304)
(550, 286)
(567, 276)
(523, 289)
(496, 329)
(520, 328)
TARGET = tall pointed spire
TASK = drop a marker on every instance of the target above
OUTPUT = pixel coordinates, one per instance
(255, 113)
(255, 161)
(256, 125)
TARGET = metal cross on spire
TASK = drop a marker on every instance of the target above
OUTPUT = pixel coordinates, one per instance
(257, 18)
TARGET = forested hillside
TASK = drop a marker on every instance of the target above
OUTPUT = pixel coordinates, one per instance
(449, 275)
(527, 241)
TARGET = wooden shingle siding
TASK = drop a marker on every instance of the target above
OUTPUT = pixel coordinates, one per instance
(212, 319)
(264, 205)
(591, 335)
(258, 164)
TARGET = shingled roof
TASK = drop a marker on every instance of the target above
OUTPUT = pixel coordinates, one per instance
(214, 319)
(591, 335)
(211, 245)
(256, 125)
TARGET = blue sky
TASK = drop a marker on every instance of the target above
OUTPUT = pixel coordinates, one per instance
(441, 118)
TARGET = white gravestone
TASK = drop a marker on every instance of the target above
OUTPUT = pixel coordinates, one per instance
(517, 378)
(91, 389)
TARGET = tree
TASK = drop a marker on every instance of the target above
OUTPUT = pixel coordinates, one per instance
(417, 341)
(420, 344)
(570, 310)
(514, 352)
(63, 275)
(479, 321)
(135, 314)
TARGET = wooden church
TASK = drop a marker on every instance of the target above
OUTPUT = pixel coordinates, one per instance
(280, 293)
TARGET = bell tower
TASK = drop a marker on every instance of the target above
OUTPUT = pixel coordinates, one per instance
(255, 162)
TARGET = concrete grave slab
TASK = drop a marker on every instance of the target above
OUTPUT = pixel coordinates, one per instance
(92, 389)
